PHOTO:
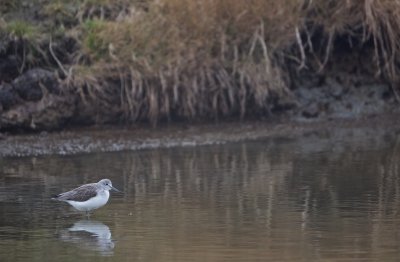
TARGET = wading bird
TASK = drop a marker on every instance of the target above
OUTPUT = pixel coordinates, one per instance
(89, 196)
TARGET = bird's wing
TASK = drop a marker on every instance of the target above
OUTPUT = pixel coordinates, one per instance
(79, 194)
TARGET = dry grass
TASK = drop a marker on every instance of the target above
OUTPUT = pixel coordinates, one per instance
(190, 59)
(361, 21)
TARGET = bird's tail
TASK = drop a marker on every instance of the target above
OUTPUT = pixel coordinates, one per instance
(55, 197)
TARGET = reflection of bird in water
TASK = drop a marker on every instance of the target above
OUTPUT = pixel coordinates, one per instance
(89, 196)
(89, 235)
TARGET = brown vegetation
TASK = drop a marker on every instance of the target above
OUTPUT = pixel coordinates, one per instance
(182, 59)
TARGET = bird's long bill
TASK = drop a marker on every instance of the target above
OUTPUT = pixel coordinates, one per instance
(113, 188)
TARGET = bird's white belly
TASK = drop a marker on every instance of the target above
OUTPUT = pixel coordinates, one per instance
(93, 203)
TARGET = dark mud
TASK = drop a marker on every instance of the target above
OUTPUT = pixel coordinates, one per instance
(110, 139)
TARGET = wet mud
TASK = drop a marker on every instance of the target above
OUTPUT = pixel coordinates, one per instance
(111, 139)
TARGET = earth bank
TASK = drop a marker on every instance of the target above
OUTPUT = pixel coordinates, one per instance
(311, 61)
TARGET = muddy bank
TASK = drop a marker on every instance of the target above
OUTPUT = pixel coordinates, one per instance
(38, 100)
(142, 137)
(91, 63)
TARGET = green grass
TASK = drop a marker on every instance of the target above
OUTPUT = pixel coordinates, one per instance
(92, 41)
(21, 29)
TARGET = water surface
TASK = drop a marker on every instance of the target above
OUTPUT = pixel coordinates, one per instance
(320, 197)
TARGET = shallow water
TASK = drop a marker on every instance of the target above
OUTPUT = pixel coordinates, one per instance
(321, 197)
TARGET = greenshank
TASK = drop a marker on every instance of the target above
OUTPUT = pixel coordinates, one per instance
(89, 196)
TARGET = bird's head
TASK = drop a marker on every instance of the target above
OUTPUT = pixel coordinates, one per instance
(107, 185)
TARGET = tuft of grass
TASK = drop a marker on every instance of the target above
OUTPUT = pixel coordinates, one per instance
(190, 59)
(93, 43)
(22, 30)
(61, 13)
(25, 40)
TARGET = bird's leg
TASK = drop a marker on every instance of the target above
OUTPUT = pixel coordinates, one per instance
(87, 214)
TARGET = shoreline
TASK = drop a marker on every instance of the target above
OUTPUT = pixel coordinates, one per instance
(113, 139)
